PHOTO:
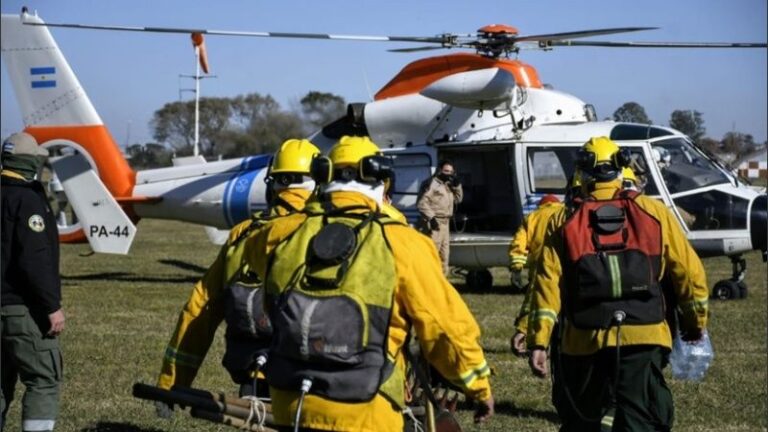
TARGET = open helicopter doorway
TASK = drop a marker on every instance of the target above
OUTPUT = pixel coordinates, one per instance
(490, 204)
(484, 221)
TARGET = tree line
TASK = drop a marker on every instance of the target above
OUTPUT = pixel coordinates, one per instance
(730, 147)
(232, 126)
(254, 124)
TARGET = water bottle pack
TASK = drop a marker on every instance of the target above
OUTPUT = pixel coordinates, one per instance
(690, 360)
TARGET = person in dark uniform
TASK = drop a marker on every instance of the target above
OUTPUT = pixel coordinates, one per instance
(30, 302)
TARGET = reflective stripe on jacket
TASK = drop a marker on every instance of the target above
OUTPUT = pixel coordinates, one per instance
(679, 261)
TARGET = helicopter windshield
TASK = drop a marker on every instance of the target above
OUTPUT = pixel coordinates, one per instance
(684, 167)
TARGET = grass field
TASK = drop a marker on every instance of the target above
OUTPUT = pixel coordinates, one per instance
(121, 311)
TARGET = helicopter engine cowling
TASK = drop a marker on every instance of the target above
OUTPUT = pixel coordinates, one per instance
(490, 88)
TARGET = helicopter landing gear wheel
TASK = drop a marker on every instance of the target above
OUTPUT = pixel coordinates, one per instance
(479, 280)
(735, 287)
(726, 289)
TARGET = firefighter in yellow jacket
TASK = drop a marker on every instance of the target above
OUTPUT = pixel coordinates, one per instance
(224, 291)
(524, 250)
(345, 287)
(600, 272)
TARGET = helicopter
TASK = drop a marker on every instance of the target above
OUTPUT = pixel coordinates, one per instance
(512, 140)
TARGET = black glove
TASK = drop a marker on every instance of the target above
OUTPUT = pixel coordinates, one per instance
(433, 224)
(163, 410)
(455, 182)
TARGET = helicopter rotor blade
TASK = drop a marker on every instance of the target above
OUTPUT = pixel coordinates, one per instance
(653, 44)
(443, 39)
(416, 49)
(580, 34)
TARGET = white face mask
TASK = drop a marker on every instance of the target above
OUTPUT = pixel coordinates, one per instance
(374, 192)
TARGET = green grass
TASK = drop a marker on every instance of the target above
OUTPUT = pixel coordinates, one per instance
(121, 311)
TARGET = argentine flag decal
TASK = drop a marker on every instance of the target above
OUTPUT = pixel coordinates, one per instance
(43, 77)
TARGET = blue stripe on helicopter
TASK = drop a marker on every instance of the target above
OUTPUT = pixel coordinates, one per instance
(531, 203)
(48, 70)
(43, 84)
(238, 188)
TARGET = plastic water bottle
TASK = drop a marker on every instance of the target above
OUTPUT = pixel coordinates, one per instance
(690, 360)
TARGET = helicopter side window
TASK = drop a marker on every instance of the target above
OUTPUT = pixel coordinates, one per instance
(550, 168)
(713, 210)
(684, 167)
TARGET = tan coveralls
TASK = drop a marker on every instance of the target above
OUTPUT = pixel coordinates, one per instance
(437, 200)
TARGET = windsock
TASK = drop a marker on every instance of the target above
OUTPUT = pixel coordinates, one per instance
(199, 44)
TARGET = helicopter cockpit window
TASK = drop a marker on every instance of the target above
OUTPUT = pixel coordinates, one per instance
(550, 168)
(639, 165)
(684, 167)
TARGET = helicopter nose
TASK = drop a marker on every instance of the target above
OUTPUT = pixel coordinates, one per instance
(759, 223)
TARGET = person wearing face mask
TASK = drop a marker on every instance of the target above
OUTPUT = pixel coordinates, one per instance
(30, 302)
(438, 197)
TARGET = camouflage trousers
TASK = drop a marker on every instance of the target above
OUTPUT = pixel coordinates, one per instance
(33, 359)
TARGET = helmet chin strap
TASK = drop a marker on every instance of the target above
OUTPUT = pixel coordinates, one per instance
(372, 191)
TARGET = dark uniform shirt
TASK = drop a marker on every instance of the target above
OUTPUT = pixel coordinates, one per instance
(30, 248)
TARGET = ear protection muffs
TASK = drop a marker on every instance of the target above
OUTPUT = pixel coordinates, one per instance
(586, 160)
(622, 158)
(321, 170)
(376, 168)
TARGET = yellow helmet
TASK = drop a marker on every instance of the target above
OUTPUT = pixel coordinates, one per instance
(351, 149)
(629, 174)
(353, 157)
(294, 156)
(602, 158)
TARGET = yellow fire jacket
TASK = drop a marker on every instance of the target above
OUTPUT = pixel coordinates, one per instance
(526, 248)
(204, 310)
(679, 261)
(424, 302)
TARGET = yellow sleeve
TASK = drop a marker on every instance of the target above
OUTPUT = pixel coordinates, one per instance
(518, 248)
(447, 331)
(195, 328)
(545, 287)
(685, 270)
(521, 322)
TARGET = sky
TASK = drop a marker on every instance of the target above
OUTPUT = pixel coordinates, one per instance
(130, 75)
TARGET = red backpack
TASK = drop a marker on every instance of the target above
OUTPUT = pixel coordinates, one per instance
(612, 263)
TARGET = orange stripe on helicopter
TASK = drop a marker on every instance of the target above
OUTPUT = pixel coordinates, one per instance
(114, 171)
(421, 73)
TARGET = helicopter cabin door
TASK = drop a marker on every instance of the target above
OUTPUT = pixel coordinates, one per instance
(485, 220)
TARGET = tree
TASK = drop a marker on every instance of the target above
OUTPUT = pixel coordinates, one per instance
(150, 155)
(265, 125)
(709, 144)
(320, 108)
(174, 123)
(631, 112)
(688, 122)
(738, 143)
